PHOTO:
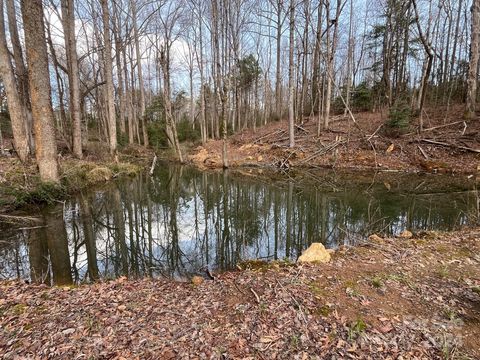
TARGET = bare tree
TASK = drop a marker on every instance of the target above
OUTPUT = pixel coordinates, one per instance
(68, 22)
(109, 94)
(15, 106)
(40, 90)
(291, 84)
(473, 66)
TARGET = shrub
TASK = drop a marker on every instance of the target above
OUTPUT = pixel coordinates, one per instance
(157, 135)
(399, 118)
(361, 98)
(186, 132)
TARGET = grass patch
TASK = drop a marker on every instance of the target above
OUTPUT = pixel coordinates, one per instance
(324, 311)
(356, 329)
(377, 282)
(19, 309)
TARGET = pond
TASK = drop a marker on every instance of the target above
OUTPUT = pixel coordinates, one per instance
(181, 220)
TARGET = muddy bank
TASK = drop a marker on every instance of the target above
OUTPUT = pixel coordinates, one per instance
(407, 297)
(448, 145)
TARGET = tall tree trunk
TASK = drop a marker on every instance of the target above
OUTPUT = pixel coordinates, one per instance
(331, 62)
(40, 91)
(68, 21)
(15, 106)
(473, 66)
(171, 126)
(349, 61)
(278, 79)
(428, 65)
(112, 126)
(118, 61)
(21, 72)
(291, 84)
(140, 74)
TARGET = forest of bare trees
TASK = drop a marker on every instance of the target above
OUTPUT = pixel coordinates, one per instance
(158, 72)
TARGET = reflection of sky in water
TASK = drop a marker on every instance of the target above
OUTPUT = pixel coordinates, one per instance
(207, 219)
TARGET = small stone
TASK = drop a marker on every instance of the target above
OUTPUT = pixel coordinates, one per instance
(405, 234)
(259, 158)
(122, 307)
(315, 253)
(68, 331)
(197, 280)
(375, 239)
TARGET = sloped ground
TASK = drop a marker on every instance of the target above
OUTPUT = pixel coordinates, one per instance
(20, 182)
(447, 145)
(413, 298)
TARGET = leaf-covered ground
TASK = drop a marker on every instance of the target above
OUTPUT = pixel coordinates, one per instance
(389, 299)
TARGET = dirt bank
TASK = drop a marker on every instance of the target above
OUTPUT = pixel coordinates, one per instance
(447, 145)
(389, 299)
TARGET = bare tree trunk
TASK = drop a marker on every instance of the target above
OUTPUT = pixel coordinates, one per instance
(21, 72)
(331, 62)
(349, 61)
(428, 66)
(112, 126)
(291, 84)
(118, 60)
(171, 127)
(15, 106)
(202, 80)
(473, 66)
(140, 74)
(278, 81)
(40, 91)
(68, 21)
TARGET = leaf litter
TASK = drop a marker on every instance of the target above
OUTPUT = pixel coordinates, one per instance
(390, 299)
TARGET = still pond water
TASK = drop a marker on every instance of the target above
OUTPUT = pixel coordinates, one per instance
(182, 220)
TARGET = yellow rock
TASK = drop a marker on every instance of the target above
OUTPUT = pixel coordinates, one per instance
(197, 280)
(315, 253)
(405, 234)
(375, 238)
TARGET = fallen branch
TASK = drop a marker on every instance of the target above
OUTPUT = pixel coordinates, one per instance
(324, 150)
(279, 131)
(374, 133)
(154, 162)
(256, 295)
(301, 128)
(423, 152)
(477, 151)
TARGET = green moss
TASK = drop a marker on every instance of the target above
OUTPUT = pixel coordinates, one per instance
(324, 311)
(315, 289)
(43, 193)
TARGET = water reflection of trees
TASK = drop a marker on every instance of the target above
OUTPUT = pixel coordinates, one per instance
(183, 220)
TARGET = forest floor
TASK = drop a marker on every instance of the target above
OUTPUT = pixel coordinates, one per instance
(395, 298)
(447, 145)
(20, 182)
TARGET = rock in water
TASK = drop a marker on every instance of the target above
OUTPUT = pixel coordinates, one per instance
(315, 253)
